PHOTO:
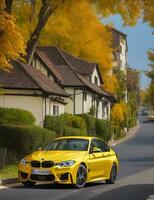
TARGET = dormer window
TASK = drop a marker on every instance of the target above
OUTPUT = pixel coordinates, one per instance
(96, 80)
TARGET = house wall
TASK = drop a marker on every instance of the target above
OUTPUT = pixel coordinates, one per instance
(88, 102)
(48, 107)
(82, 105)
(36, 63)
(32, 104)
(35, 104)
(95, 73)
(123, 54)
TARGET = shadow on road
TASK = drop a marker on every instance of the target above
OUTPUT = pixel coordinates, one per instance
(57, 186)
(130, 192)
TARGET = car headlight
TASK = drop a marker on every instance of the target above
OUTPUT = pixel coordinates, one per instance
(66, 163)
(23, 161)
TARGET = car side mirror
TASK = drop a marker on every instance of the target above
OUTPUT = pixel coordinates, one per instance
(96, 150)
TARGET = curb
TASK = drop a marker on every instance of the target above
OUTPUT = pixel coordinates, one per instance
(8, 181)
(131, 133)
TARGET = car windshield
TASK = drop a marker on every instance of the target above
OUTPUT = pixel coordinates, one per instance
(69, 145)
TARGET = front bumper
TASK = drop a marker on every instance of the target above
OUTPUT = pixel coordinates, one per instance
(65, 175)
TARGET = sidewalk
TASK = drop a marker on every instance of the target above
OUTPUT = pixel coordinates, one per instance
(131, 133)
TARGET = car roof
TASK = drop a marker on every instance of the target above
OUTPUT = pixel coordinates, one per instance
(75, 137)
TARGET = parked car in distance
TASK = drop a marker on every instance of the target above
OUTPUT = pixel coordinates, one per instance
(151, 116)
(72, 160)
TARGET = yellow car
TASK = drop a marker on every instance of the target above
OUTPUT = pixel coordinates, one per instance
(151, 116)
(71, 160)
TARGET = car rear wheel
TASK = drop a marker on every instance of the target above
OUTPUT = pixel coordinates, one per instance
(81, 177)
(113, 175)
(28, 183)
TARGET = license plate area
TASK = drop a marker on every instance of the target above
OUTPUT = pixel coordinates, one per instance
(40, 172)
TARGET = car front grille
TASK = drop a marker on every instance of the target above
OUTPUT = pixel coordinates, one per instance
(35, 163)
(44, 164)
(35, 177)
(47, 164)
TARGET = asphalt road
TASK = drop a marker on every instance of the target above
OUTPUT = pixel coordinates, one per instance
(135, 180)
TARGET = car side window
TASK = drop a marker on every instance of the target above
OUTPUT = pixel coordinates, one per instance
(99, 144)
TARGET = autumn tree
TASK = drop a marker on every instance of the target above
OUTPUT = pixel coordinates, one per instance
(68, 19)
(150, 91)
(11, 40)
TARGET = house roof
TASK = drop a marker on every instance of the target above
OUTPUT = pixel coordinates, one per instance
(56, 56)
(71, 70)
(116, 38)
(24, 76)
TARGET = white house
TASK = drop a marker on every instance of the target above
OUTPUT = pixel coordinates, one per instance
(81, 79)
(27, 88)
(55, 83)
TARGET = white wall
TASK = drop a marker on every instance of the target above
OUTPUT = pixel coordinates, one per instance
(36, 105)
(36, 63)
(32, 104)
(88, 102)
(123, 54)
(69, 105)
(95, 73)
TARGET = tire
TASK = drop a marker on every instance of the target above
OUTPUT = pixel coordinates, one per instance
(113, 175)
(81, 177)
(28, 183)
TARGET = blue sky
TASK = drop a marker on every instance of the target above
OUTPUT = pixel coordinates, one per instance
(140, 39)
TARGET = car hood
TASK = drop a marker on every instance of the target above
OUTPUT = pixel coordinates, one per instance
(56, 156)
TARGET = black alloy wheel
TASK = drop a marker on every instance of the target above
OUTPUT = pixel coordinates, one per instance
(81, 177)
(113, 175)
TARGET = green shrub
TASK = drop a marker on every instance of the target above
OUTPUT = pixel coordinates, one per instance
(24, 139)
(56, 123)
(104, 129)
(90, 122)
(16, 116)
(118, 132)
(75, 121)
(69, 131)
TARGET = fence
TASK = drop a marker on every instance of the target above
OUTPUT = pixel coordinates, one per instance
(6, 157)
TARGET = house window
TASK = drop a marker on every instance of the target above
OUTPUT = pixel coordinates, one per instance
(55, 110)
(85, 96)
(96, 80)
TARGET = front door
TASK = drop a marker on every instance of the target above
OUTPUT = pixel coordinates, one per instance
(98, 161)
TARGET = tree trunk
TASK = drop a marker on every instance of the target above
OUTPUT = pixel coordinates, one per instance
(8, 4)
(44, 14)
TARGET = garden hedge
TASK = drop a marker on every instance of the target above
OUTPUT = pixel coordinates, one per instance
(24, 139)
(69, 131)
(16, 116)
(104, 129)
(56, 123)
(90, 122)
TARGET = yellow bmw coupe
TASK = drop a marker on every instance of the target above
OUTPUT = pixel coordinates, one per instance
(71, 160)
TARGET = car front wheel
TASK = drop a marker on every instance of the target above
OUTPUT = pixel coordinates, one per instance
(113, 175)
(81, 177)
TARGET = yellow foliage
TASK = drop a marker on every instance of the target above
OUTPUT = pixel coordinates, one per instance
(110, 83)
(11, 41)
(117, 113)
(79, 32)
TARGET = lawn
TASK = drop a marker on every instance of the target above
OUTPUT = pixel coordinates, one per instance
(10, 171)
